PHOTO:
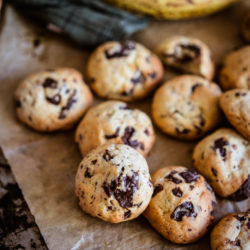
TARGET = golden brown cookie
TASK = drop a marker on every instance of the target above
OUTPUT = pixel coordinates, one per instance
(188, 55)
(187, 107)
(52, 99)
(123, 70)
(116, 122)
(181, 206)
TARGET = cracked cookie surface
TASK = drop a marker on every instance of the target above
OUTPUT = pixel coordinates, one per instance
(52, 99)
(181, 205)
(232, 232)
(188, 55)
(187, 107)
(223, 158)
(113, 183)
(123, 70)
(235, 104)
(116, 122)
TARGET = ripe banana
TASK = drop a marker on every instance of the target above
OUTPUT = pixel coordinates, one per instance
(173, 9)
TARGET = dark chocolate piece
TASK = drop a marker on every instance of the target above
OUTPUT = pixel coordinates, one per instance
(114, 135)
(158, 188)
(94, 162)
(170, 177)
(243, 192)
(185, 209)
(50, 83)
(18, 229)
(182, 131)
(220, 144)
(195, 86)
(138, 78)
(107, 155)
(87, 174)
(123, 51)
(190, 176)
(56, 99)
(127, 214)
(177, 192)
(126, 138)
(68, 105)
(214, 171)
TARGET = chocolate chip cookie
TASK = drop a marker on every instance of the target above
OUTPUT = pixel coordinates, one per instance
(223, 158)
(236, 106)
(181, 205)
(232, 232)
(123, 70)
(113, 183)
(235, 71)
(188, 55)
(116, 122)
(187, 107)
(52, 99)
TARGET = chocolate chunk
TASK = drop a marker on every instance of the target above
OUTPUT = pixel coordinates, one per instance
(170, 177)
(190, 176)
(125, 107)
(243, 192)
(124, 197)
(158, 188)
(177, 192)
(233, 242)
(214, 171)
(220, 144)
(127, 214)
(185, 209)
(152, 75)
(138, 78)
(189, 229)
(109, 207)
(18, 104)
(195, 86)
(56, 99)
(191, 187)
(142, 146)
(240, 218)
(127, 93)
(146, 131)
(123, 51)
(50, 83)
(126, 138)
(248, 224)
(107, 156)
(68, 105)
(237, 94)
(87, 174)
(183, 131)
(114, 135)
(94, 162)
(36, 42)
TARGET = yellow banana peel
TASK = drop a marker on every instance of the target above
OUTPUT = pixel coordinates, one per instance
(173, 9)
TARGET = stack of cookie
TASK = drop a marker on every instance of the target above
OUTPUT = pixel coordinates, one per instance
(113, 181)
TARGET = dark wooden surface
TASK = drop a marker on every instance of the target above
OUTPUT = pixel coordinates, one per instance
(18, 229)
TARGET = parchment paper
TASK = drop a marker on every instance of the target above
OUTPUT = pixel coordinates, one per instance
(45, 164)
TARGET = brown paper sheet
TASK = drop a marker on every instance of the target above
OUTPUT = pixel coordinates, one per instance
(45, 164)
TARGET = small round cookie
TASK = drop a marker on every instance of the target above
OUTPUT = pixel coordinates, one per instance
(181, 206)
(188, 55)
(187, 107)
(114, 121)
(245, 27)
(223, 158)
(235, 104)
(113, 183)
(232, 232)
(52, 99)
(123, 70)
(235, 71)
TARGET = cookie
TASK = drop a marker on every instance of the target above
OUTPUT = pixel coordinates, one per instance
(236, 106)
(245, 27)
(123, 70)
(235, 71)
(181, 205)
(187, 107)
(116, 122)
(52, 99)
(223, 158)
(232, 232)
(113, 183)
(188, 55)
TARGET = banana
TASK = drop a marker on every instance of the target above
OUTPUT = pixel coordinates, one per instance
(173, 9)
